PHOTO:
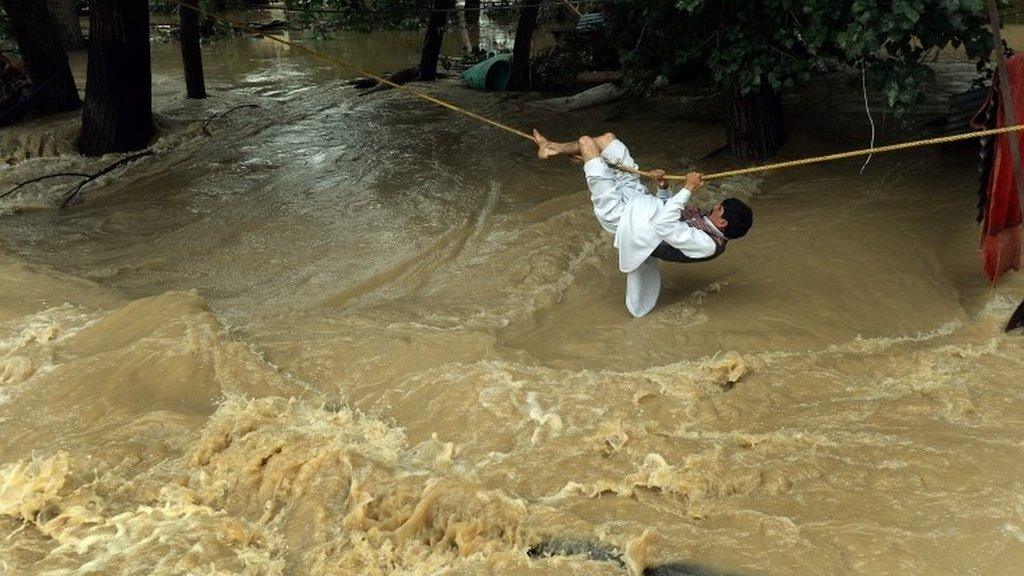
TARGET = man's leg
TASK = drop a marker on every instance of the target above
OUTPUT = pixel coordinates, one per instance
(608, 200)
(609, 188)
(604, 140)
(549, 149)
(587, 148)
(616, 154)
(610, 148)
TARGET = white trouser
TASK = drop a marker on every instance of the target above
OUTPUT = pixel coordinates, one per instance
(611, 189)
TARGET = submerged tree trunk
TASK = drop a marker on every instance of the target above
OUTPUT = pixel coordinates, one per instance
(52, 83)
(528, 10)
(433, 39)
(118, 115)
(65, 17)
(191, 55)
(753, 123)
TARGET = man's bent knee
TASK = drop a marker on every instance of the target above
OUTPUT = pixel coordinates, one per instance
(604, 140)
(588, 148)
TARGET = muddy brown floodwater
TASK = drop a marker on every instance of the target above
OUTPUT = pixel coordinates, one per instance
(359, 335)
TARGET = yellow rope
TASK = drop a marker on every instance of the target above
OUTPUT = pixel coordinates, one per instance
(866, 151)
(646, 174)
(840, 155)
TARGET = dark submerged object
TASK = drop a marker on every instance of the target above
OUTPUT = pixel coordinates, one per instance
(1017, 320)
(684, 569)
(371, 85)
(602, 552)
(591, 549)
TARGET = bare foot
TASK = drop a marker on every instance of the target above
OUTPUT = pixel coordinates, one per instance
(545, 148)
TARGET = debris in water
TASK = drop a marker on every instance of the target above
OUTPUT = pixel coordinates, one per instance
(594, 550)
(1017, 320)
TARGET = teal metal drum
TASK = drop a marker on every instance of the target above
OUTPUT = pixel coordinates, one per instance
(491, 74)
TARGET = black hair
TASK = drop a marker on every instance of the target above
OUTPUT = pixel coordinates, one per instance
(739, 217)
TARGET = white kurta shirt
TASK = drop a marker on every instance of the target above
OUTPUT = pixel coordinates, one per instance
(640, 223)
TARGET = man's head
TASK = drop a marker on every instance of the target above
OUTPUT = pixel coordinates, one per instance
(733, 217)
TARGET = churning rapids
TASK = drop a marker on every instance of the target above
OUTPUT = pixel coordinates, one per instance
(360, 335)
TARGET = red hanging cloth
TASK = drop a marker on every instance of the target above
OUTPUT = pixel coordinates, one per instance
(1001, 225)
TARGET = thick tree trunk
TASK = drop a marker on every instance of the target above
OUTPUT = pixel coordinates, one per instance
(472, 16)
(528, 11)
(754, 124)
(434, 38)
(191, 55)
(118, 114)
(65, 17)
(52, 83)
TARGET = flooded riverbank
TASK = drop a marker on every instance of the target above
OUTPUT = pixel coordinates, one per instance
(348, 334)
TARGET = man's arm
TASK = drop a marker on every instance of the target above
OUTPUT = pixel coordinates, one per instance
(663, 192)
(692, 242)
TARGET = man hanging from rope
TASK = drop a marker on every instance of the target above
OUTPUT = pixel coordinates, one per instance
(648, 228)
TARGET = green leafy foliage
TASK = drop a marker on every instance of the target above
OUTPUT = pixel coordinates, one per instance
(169, 7)
(741, 44)
(360, 14)
(5, 29)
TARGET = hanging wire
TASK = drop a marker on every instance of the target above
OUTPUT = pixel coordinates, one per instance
(864, 87)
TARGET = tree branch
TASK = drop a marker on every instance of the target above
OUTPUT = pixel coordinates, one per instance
(127, 159)
(41, 178)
